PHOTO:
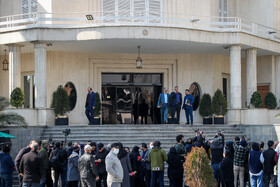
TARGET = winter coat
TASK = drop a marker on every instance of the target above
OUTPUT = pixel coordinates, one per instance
(32, 167)
(269, 161)
(101, 168)
(135, 163)
(175, 164)
(144, 156)
(7, 164)
(189, 147)
(73, 173)
(126, 165)
(217, 150)
(87, 168)
(226, 169)
(43, 153)
(157, 156)
(19, 156)
(180, 149)
(61, 155)
(114, 168)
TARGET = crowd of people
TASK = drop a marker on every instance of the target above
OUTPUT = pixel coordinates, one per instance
(47, 163)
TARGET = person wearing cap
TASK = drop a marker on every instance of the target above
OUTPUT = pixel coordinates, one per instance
(100, 164)
(176, 103)
(241, 150)
(73, 174)
(87, 168)
(163, 104)
(188, 106)
(114, 167)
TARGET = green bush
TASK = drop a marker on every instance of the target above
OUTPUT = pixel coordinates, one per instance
(205, 105)
(219, 103)
(97, 110)
(256, 100)
(60, 101)
(17, 98)
(270, 101)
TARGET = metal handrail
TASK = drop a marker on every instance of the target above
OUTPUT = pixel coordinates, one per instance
(136, 18)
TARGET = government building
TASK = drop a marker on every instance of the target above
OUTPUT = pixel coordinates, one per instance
(201, 45)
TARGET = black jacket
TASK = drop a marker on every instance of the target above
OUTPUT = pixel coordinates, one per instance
(135, 163)
(19, 156)
(32, 167)
(226, 169)
(173, 99)
(269, 161)
(175, 164)
(101, 167)
(217, 150)
(62, 157)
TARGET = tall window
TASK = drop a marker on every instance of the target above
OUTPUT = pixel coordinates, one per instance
(28, 6)
(112, 8)
(28, 90)
(224, 8)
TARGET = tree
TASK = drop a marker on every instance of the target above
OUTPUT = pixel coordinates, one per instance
(205, 105)
(17, 98)
(256, 100)
(198, 170)
(270, 101)
(60, 101)
(97, 110)
(8, 118)
(219, 103)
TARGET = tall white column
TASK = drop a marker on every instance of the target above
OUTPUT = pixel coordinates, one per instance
(235, 77)
(277, 79)
(251, 73)
(40, 53)
(14, 67)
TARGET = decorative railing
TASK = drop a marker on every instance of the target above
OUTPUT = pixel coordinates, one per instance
(136, 18)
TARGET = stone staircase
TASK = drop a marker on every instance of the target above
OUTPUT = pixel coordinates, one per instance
(131, 135)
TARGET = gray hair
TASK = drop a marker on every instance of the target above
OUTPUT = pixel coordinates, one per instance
(34, 146)
(88, 148)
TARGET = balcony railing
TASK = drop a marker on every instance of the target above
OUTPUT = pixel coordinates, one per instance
(136, 18)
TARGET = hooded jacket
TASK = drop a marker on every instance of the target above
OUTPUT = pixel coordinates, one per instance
(175, 164)
(73, 173)
(216, 151)
(43, 153)
(157, 156)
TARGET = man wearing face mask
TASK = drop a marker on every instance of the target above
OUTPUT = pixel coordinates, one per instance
(114, 167)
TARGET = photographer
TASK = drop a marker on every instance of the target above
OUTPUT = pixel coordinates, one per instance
(198, 140)
(221, 137)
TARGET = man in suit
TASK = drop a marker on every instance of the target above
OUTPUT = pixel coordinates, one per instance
(188, 106)
(163, 104)
(90, 105)
(176, 103)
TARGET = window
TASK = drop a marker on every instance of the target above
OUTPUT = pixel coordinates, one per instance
(28, 90)
(223, 10)
(27, 7)
(135, 8)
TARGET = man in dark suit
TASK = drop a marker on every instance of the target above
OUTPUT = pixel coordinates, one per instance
(163, 104)
(90, 105)
(176, 103)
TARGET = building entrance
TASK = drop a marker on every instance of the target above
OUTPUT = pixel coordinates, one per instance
(130, 98)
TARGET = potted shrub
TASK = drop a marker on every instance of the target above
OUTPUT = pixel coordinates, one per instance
(256, 100)
(61, 106)
(270, 101)
(97, 111)
(205, 109)
(17, 98)
(198, 169)
(219, 107)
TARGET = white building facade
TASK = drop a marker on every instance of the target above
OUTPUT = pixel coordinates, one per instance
(198, 44)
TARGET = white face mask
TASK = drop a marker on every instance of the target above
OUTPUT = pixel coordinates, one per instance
(116, 151)
(151, 147)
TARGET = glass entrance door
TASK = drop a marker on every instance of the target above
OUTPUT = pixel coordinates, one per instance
(130, 104)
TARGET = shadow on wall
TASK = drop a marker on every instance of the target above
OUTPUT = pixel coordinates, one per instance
(256, 133)
(23, 137)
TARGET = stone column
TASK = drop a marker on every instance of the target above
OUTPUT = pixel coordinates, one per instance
(277, 79)
(251, 73)
(40, 53)
(235, 77)
(14, 67)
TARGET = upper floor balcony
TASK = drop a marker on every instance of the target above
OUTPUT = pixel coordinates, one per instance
(135, 18)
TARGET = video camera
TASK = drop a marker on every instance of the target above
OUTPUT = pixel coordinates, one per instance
(67, 132)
